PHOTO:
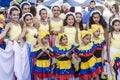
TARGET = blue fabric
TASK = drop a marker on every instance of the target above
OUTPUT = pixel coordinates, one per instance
(84, 16)
(101, 44)
(63, 71)
(89, 70)
(1, 29)
(42, 70)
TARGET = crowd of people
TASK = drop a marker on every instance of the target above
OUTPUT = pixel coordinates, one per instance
(39, 43)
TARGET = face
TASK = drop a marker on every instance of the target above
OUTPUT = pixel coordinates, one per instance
(116, 26)
(96, 18)
(43, 14)
(56, 11)
(92, 5)
(44, 40)
(70, 20)
(86, 39)
(15, 15)
(29, 20)
(96, 33)
(64, 40)
(26, 9)
(78, 18)
(113, 9)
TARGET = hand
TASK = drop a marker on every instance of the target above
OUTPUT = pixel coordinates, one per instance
(43, 49)
(47, 51)
(63, 55)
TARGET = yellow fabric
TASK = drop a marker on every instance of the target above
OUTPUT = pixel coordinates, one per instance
(64, 64)
(44, 27)
(95, 27)
(42, 63)
(3, 18)
(30, 36)
(84, 33)
(42, 34)
(87, 47)
(56, 25)
(14, 32)
(90, 63)
(99, 59)
(98, 41)
(68, 47)
(115, 41)
(71, 33)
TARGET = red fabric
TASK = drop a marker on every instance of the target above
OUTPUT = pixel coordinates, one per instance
(63, 77)
(42, 75)
(1, 41)
(92, 75)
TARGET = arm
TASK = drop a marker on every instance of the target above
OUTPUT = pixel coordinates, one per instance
(3, 34)
(22, 34)
(103, 55)
(108, 52)
(40, 54)
(76, 36)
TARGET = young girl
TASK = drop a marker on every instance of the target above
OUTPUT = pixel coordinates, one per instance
(55, 24)
(100, 43)
(41, 55)
(114, 47)
(63, 54)
(43, 23)
(13, 28)
(69, 29)
(88, 68)
(29, 32)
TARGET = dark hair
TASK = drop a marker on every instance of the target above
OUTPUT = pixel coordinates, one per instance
(13, 9)
(92, 1)
(62, 37)
(24, 5)
(101, 21)
(33, 10)
(81, 23)
(72, 9)
(54, 7)
(43, 9)
(116, 7)
(39, 1)
(18, 8)
(26, 16)
(65, 23)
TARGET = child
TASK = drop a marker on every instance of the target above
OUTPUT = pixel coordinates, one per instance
(88, 68)
(29, 32)
(55, 24)
(69, 29)
(41, 55)
(100, 43)
(114, 47)
(63, 54)
(13, 28)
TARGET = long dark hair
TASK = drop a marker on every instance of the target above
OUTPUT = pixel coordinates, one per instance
(101, 21)
(65, 20)
(81, 23)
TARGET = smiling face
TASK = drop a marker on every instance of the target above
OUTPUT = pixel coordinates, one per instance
(14, 15)
(64, 40)
(116, 25)
(28, 20)
(43, 14)
(56, 11)
(26, 9)
(70, 20)
(96, 33)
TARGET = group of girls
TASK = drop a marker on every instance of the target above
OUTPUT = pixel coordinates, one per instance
(65, 49)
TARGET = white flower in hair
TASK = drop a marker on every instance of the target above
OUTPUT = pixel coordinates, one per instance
(12, 8)
(70, 13)
(25, 2)
(25, 15)
(95, 12)
(114, 20)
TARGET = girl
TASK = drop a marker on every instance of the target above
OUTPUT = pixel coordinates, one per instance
(100, 43)
(55, 24)
(88, 68)
(63, 54)
(13, 28)
(29, 32)
(41, 55)
(69, 29)
(43, 23)
(114, 47)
